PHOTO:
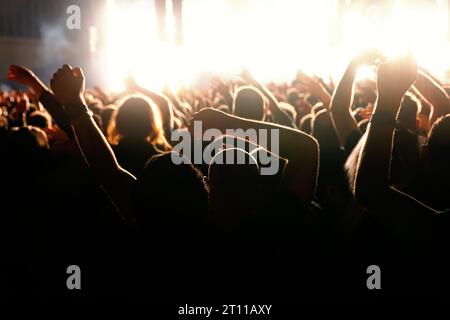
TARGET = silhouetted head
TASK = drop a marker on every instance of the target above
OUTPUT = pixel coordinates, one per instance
(323, 130)
(170, 198)
(27, 149)
(234, 186)
(249, 103)
(293, 97)
(137, 119)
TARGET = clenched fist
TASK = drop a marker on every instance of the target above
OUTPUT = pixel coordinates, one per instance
(68, 86)
(395, 77)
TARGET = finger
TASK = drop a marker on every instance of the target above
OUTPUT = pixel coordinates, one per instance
(78, 72)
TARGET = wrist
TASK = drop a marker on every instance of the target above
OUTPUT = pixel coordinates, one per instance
(389, 101)
(385, 112)
(75, 110)
(39, 90)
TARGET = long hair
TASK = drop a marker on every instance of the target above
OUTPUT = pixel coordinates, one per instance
(138, 118)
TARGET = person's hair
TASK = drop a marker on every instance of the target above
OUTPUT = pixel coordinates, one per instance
(39, 119)
(138, 118)
(293, 97)
(323, 130)
(28, 150)
(106, 114)
(249, 103)
(240, 182)
(29, 138)
(161, 182)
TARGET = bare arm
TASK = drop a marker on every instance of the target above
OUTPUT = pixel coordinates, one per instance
(372, 187)
(279, 116)
(68, 86)
(43, 94)
(341, 103)
(434, 94)
(301, 150)
(342, 100)
(314, 87)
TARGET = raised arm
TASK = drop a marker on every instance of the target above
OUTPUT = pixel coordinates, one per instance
(372, 187)
(435, 94)
(27, 77)
(279, 115)
(300, 150)
(314, 88)
(342, 100)
(68, 87)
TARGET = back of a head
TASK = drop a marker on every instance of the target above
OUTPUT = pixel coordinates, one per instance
(293, 97)
(233, 184)
(249, 103)
(169, 195)
(136, 119)
(323, 130)
(27, 149)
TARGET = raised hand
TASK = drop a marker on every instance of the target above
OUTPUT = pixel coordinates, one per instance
(247, 76)
(313, 87)
(68, 86)
(395, 77)
(26, 77)
(220, 86)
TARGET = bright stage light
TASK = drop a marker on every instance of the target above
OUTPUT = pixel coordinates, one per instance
(272, 38)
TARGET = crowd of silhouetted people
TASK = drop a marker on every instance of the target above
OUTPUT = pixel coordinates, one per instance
(88, 178)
